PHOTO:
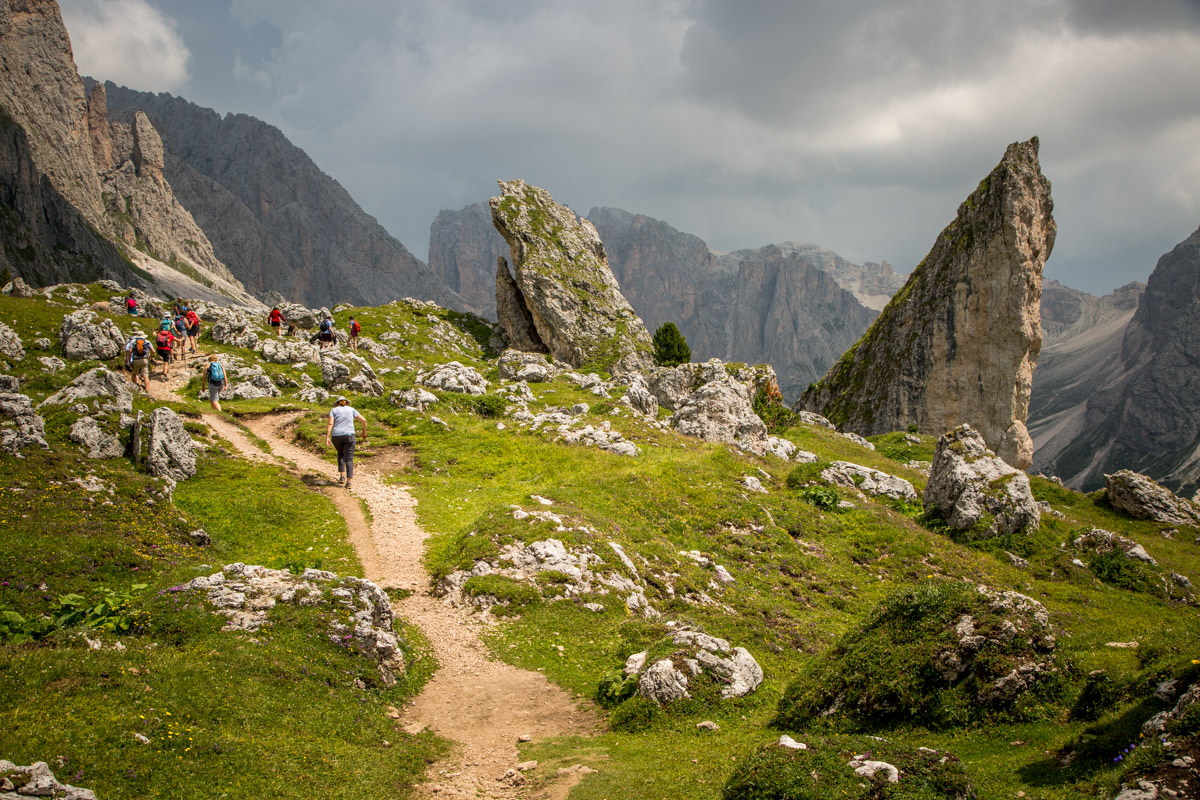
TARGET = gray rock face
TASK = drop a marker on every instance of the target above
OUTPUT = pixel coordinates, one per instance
(20, 425)
(235, 334)
(99, 382)
(973, 490)
(960, 341)
(721, 411)
(82, 336)
(1143, 411)
(662, 682)
(639, 397)
(172, 453)
(700, 654)
(516, 365)
(86, 431)
(10, 343)
(564, 280)
(1143, 498)
(18, 288)
(277, 221)
(288, 351)
(516, 321)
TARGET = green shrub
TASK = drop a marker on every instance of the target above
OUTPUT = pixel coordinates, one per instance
(1117, 569)
(805, 474)
(825, 497)
(635, 714)
(511, 592)
(670, 348)
(615, 687)
(1099, 694)
(768, 405)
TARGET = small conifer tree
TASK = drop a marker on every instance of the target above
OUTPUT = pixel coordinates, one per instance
(670, 348)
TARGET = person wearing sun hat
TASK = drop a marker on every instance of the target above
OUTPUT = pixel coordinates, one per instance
(340, 435)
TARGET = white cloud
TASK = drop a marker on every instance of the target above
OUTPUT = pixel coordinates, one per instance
(128, 42)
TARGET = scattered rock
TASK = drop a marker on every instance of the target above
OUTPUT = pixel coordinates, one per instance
(454, 377)
(531, 367)
(82, 337)
(869, 481)
(973, 490)
(10, 343)
(721, 411)
(99, 443)
(37, 780)
(172, 452)
(98, 382)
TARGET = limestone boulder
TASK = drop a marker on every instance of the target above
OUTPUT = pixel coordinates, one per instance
(99, 443)
(17, 287)
(516, 365)
(20, 425)
(721, 411)
(869, 481)
(252, 388)
(289, 351)
(696, 654)
(172, 453)
(83, 335)
(36, 780)
(98, 382)
(1141, 497)
(234, 334)
(639, 397)
(974, 490)
(561, 277)
(10, 343)
(453, 377)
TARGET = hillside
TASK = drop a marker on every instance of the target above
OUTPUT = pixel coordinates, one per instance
(591, 538)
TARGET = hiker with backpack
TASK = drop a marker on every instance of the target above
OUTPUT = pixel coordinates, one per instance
(214, 381)
(325, 333)
(340, 435)
(131, 305)
(355, 329)
(164, 341)
(137, 359)
(193, 329)
(179, 327)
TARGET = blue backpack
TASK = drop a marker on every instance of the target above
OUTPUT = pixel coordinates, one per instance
(216, 373)
(326, 325)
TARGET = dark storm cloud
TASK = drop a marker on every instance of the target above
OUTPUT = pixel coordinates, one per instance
(859, 125)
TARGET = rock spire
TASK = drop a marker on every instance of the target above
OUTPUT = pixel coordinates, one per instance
(562, 278)
(959, 343)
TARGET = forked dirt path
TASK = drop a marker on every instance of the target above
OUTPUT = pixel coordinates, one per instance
(483, 705)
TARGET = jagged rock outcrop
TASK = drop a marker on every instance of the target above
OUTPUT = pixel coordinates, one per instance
(20, 425)
(453, 377)
(721, 411)
(99, 443)
(975, 491)
(98, 382)
(172, 453)
(83, 335)
(1144, 413)
(696, 654)
(872, 284)
(562, 275)
(869, 481)
(1080, 356)
(36, 780)
(960, 341)
(277, 221)
(10, 343)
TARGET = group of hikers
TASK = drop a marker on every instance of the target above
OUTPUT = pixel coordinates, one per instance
(182, 330)
(324, 337)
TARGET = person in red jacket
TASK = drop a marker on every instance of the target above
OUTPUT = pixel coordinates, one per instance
(164, 341)
(193, 329)
(355, 328)
(276, 319)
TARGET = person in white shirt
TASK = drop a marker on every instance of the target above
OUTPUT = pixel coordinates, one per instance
(340, 435)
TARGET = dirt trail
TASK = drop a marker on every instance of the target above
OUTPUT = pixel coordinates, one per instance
(482, 704)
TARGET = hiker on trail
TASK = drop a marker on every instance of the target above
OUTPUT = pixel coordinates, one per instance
(276, 320)
(137, 359)
(179, 327)
(325, 333)
(355, 329)
(131, 305)
(164, 341)
(193, 330)
(340, 435)
(214, 381)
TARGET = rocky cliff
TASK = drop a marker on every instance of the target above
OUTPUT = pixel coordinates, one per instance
(277, 221)
(71, 180)
(560, 275)
(1144, 414)
(960, 341)
(872, 284)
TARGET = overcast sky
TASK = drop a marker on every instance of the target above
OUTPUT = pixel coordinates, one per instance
(859, 125)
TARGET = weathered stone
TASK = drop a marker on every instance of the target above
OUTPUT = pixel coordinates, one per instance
(82, 337)
(662, 682)
(18, 288)
(172, 453)
(412, 399)
(1141, 497)
(23, 427)
(99, 382)
(959, 343)
(100, 443)
(234, 334)
(563, 279)
(10, 343)
(36, 780)
(531, 367)
(721, 411)
(869, 481)
(251, 389)
(974, 490)
(515, 321)
(288, 351)
(454, 377)
(639, 397)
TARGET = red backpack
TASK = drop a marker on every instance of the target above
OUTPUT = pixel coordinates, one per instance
(355, 328)
(164, 340)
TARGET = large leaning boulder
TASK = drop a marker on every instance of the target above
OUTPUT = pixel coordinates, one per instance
(1141, 497)
(975, 491)
(561, 277)
(959, 343)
